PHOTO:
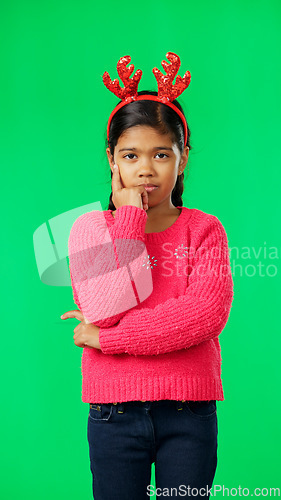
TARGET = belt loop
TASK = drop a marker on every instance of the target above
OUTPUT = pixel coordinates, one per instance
(147, 405)
(117, 406)
(180, 404)
(120, 408)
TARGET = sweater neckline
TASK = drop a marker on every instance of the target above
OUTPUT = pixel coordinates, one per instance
(161, 235)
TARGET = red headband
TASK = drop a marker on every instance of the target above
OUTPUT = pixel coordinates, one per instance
(167, 91)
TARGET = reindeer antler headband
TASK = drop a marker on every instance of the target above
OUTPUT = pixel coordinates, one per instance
(167, 91)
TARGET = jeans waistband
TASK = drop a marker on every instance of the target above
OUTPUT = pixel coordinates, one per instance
(121, 407)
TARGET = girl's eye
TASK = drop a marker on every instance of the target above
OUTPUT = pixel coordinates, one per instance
(132, 154)
(129, 154)
(163, 154)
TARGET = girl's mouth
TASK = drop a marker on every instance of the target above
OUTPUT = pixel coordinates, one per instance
(150, 188)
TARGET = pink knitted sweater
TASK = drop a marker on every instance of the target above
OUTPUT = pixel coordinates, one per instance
(160, 299)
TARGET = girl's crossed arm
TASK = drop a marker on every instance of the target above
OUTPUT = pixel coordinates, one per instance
(198, 315)
(102, 261)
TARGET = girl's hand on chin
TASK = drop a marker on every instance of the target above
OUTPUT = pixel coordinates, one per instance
(136, 196)
(85, 334)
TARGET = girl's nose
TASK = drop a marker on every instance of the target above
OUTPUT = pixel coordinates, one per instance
(146, 166)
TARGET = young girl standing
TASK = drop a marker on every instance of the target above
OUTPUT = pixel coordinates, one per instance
(153, 284)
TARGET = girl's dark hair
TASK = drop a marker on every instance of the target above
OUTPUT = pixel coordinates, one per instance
(154, 114)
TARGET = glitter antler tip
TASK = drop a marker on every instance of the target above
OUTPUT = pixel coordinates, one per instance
(130, 84)
(166, 90)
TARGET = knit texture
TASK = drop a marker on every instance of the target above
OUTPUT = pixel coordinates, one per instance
(161, 301)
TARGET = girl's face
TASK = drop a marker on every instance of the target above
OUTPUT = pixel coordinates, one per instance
(146, 157)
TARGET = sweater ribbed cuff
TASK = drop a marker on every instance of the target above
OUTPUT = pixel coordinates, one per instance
(109, 344)
(130, 222)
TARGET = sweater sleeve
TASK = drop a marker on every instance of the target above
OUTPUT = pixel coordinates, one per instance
(198, 315)
(74, 292)
(103, 262)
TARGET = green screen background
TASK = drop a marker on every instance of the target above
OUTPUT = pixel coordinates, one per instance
(54, 111)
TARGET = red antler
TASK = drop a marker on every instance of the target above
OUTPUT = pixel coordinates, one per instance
(166, 90)
(130, 84)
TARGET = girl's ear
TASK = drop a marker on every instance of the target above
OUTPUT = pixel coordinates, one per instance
(183, 160)
(110, 158)
(184, 157)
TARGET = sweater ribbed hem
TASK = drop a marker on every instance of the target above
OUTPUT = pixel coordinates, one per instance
(121, 389)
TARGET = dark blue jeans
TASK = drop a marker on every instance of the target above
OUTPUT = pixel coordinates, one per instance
(126, 438)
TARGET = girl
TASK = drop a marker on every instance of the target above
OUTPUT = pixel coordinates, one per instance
(153, 284)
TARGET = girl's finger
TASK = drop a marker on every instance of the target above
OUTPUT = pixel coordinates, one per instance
(145, 200)
(146, 197)
(116, 180)
(73, 314)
